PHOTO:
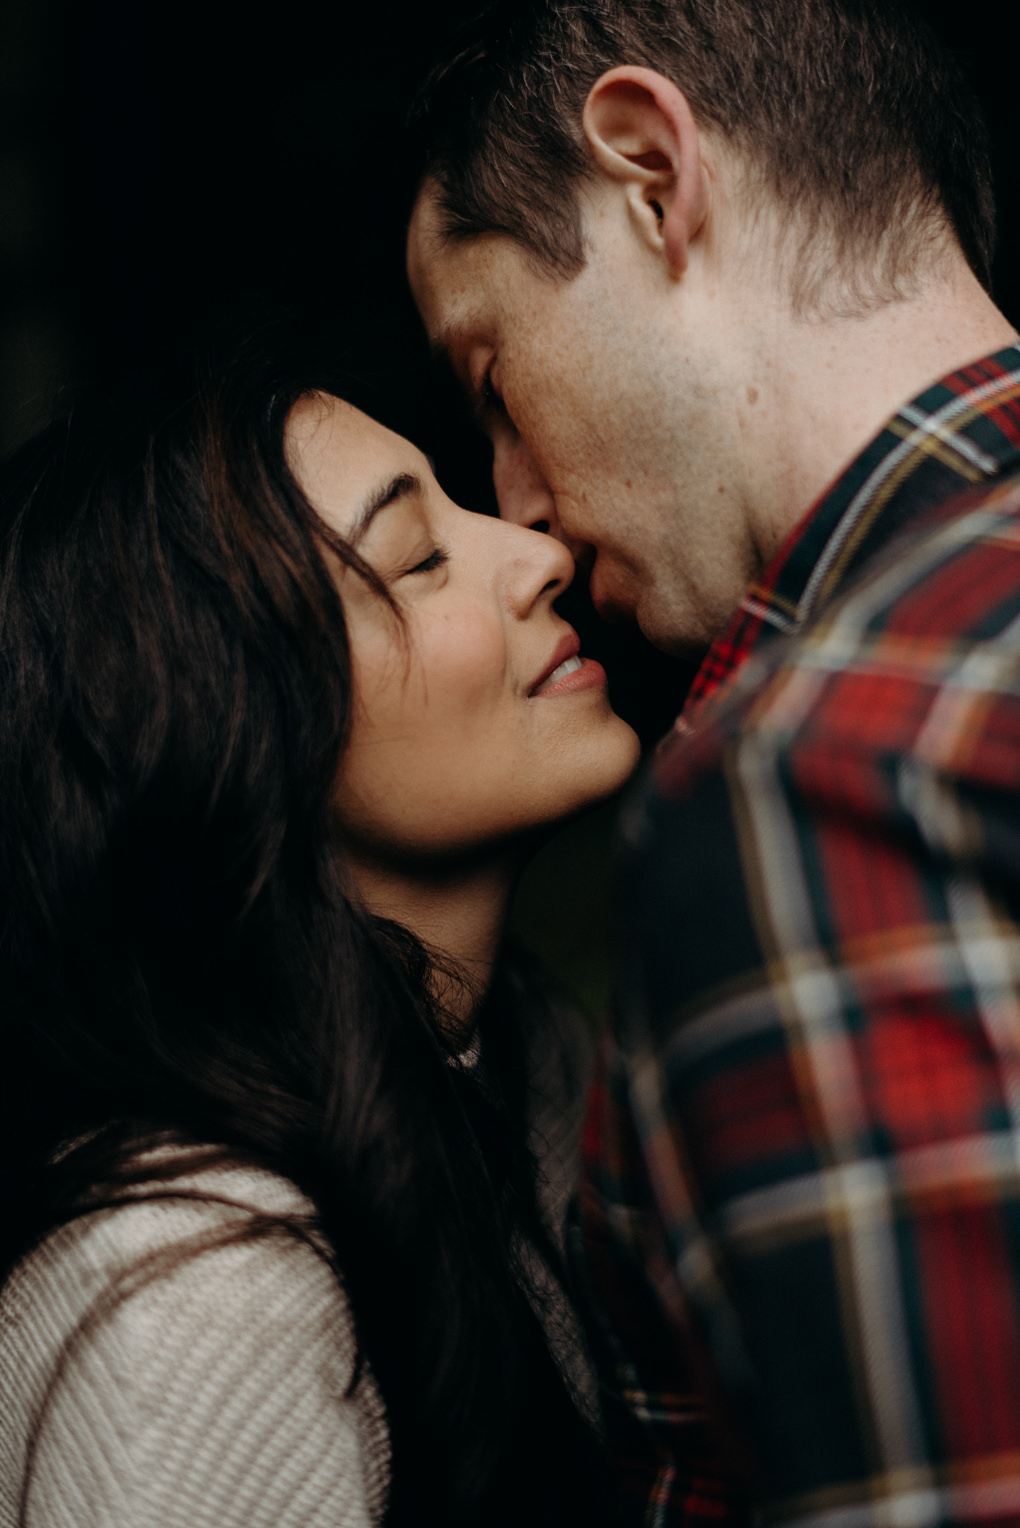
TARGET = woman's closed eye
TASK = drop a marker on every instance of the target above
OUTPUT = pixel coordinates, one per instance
(436, 558)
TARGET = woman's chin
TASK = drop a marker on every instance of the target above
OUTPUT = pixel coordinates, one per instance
(606, 772)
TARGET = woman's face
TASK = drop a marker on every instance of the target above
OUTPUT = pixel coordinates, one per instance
(478, 720)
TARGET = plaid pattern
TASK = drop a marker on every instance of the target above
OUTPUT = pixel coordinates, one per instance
(798, 1237)
(963, 431)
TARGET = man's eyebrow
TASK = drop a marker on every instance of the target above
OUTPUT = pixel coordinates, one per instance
(404, 485)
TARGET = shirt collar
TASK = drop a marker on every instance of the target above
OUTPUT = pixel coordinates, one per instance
(963, 431)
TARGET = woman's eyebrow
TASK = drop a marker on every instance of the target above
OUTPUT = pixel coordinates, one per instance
(404, 485)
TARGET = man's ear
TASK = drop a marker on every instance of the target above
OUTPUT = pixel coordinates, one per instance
(642, 133)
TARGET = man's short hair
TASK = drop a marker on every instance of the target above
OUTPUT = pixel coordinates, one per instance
(851, 113)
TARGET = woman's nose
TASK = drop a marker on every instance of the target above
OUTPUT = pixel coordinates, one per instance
(537, 569)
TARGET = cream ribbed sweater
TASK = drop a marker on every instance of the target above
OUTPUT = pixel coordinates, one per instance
(211, 1395)
(215, 1395)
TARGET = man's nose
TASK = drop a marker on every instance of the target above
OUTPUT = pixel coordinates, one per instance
(522, 492)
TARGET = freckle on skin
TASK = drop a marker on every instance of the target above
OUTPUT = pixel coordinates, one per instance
(721, 489)
(752, 395)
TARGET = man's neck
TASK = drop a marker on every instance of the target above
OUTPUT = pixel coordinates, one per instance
(828, 386)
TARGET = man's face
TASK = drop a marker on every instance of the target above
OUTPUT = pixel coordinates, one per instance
(607, 427)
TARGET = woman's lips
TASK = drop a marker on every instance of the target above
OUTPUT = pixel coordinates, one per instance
(569, 646)
(568, 672)
(573, 674)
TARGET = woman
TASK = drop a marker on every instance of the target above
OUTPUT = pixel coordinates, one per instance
(279, 724)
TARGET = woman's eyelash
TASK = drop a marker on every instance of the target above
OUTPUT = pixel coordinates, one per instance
(436, 558)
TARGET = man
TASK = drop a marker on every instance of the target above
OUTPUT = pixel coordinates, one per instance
(714, 273)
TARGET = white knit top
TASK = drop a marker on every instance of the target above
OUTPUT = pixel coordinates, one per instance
(208, 1392)
(213, 1389)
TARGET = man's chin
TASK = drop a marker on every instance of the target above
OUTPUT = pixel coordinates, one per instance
(667, 631)
(633, 601)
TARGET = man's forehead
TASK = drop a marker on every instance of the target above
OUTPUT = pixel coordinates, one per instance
(425, 239)
(458, 284)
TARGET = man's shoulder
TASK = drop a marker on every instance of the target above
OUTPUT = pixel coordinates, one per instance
(938, 610)
(842, 782)
(949, 574)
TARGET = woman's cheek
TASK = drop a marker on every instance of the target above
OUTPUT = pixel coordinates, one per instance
(464, 662)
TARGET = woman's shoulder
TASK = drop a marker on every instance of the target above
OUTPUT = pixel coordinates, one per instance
(216, 1226)
(188, 1355)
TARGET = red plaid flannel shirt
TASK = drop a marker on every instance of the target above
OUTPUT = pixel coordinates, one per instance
(798, 1237)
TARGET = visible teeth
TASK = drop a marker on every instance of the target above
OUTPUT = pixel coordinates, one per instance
(568, 666)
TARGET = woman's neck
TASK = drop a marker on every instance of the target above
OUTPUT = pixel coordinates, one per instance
(458, 913)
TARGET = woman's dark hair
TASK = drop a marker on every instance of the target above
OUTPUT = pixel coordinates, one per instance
(181, 954)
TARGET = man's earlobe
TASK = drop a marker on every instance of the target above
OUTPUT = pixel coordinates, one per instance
(643, 136)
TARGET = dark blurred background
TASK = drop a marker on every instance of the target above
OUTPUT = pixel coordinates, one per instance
(162, 162)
